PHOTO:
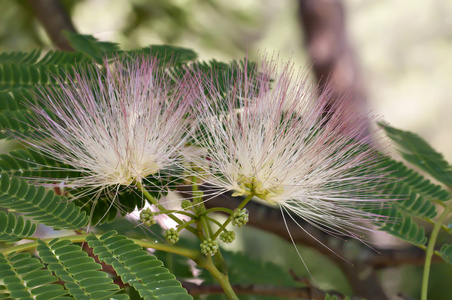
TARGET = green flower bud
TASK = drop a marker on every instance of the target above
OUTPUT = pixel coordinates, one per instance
(209, 247)
(227, 237)
(147, 217)
(171, 235)
(240, 217)
(186, 204)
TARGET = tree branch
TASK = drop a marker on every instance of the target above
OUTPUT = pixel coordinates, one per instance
(360, 274)
(54, 19)
(286, 292)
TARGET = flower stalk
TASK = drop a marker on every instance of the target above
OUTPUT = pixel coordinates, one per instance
(430, 250)
(229, 219)
(191, 254)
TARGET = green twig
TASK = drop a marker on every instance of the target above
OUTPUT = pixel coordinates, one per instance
(229, 219)
(188, 223)
(205, 227)
(197, 194)
(161, 207)
(430, 250)
(177, 212)
(191, 254)
(214, 209)
(223, 279)
(216, 222)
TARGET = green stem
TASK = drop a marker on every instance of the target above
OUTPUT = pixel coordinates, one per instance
(188, 223)
(229, 219)
(197, 194)
(178, 212)
(191, 254)
(220, 277)
(223, 209)
(205, 227)
(161, 207)
(430, 250)
(216, 222)
(156, 203)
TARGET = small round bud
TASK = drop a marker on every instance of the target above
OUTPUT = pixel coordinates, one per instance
(227, 237)
(240, 217)
(147, 217)
(186, 204)
(171, 235)
(209, 247)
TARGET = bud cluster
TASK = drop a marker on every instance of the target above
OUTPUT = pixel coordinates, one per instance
(172, 235)
(193, 206)
(240, 217)
(227, 236)
(147, 217)
(186, 204)
(209, 247)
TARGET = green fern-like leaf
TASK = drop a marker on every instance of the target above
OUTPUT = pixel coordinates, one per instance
(34, 58)
(20, 57)
(33, 164)
(81, 275)
(446, 253)
(63, 58)
(13, 229)
(394, 221)
(418, 206)
(170, 54)
(25, 277)
(405, 177)
(17, 99)
(100, 50)
(137, 267)
(17, 121)
(90, 45)
(41, 205)
(20, 74)
(414, 195)
(417, 151)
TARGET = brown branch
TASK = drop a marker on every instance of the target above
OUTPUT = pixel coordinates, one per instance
(389, 258)
(361, 275)
(286, 292)
(54, 19)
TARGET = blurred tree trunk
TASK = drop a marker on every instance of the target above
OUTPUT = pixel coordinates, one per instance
(336, 69)
(55, 20)
(333, 60)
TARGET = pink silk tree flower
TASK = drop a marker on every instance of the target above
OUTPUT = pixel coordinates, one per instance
(115, 124)
(276, 138)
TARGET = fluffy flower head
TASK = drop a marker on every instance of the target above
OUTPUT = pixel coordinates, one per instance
(283, 143)
(116, 124)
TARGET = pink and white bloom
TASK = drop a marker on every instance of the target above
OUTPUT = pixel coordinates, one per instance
(285, 144)
(116, 125)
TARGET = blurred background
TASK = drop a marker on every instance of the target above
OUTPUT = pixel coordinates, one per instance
(393, 56)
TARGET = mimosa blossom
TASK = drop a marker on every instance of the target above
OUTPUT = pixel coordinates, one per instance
(281, 142)
(116, 126)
